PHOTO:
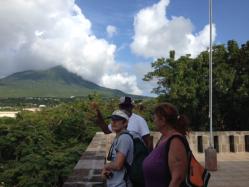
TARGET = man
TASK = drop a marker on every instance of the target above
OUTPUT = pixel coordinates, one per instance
(136, 123)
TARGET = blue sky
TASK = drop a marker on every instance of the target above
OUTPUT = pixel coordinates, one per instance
(112, 42)
(230, 17)
(117, 13)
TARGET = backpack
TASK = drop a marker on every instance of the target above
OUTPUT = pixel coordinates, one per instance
(197, 175)
(135, 170)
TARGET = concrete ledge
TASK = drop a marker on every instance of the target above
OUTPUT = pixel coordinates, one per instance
(87, 171)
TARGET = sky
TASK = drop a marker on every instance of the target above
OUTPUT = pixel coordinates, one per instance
(112, 42)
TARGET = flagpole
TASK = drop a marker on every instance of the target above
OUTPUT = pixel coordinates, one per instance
(211, 77)
(210, 152)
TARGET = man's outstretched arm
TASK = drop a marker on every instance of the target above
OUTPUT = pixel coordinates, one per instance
(101, 122)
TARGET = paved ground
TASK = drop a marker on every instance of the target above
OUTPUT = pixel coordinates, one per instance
(233, 170)
(12, 114)
(8, 114)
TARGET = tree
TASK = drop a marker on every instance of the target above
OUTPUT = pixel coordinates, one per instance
(180, 82)
(184, 82)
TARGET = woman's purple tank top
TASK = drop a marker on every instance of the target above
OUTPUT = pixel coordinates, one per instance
(155, 167)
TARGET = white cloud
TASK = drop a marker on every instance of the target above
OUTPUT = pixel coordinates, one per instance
(155, 34)
(140, 69)
(43, 33)
(123, 82)
(111, 30)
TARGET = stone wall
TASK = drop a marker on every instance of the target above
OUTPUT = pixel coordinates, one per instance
(224, 141)
(88, 169)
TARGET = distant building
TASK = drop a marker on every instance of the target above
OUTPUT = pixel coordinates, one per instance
(42, 106)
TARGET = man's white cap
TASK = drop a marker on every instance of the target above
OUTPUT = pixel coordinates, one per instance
(119, 115)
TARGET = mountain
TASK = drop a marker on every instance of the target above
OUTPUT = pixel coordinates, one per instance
(54, 82)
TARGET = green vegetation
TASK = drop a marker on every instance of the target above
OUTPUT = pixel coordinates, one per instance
(54, 82)
(184, 82)
(40, 149)
(30, 102)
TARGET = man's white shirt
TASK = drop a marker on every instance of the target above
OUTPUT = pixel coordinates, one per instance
(136, 124)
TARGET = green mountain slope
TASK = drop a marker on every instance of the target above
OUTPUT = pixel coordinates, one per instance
(54, 82)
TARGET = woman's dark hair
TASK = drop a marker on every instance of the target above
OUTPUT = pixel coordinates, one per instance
(170, 113)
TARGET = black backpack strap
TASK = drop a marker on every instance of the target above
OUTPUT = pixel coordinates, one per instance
(111, 148)
(110, 152)
(132, 138)
(126, 164)
(185, 143)
(126, 132)
(182, 138)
